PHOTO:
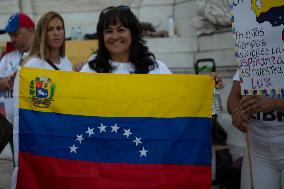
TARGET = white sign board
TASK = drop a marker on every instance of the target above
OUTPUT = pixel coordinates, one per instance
(258, 27)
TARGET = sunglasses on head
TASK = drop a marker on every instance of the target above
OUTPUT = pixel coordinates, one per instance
(119, 8)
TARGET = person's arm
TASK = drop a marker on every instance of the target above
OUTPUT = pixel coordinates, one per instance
(234, 98)
(240, 120)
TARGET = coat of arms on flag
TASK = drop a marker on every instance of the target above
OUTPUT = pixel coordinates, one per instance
(113, 131)
(41, 91)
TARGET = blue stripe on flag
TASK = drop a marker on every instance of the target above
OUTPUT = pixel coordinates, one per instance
(137, 140)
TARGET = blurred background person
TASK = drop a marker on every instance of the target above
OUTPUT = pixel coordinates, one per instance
(21, 30)
(48, 50)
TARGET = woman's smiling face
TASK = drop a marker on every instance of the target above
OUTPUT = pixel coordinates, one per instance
(117, 40)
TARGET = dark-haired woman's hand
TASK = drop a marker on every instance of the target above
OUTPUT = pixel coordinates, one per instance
(219, 84)
(77, 67)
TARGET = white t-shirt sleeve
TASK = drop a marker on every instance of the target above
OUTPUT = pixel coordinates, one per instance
(67, 65)
(3, 66)
(92, 57)
(9, 63)
(86, 68)
(34, 63)
(163, 69)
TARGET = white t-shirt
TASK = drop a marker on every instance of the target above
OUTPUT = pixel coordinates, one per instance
(64, 64)
(9, 63)
(266, 127)
(127, 68)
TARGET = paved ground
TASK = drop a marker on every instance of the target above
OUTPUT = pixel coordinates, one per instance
(6, 169)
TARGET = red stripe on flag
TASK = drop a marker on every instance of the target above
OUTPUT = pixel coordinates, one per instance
(46, 172)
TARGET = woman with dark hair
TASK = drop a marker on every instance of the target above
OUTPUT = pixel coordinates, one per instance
(48, 50)
(121, 47)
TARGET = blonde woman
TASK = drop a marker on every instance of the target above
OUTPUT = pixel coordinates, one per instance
(48, 50)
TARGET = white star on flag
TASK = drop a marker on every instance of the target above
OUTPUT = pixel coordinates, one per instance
(127, 132)
(102, 128)
(73, 149)
(137, 141)
(143, 152)
(114, 128)
(80, 138)
(90, 131)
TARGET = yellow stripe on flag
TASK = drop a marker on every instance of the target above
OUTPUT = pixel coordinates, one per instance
(119, 95)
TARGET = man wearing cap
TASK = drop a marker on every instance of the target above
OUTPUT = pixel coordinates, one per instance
(21, 30)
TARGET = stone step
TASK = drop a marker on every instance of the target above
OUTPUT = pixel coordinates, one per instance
(180, 53)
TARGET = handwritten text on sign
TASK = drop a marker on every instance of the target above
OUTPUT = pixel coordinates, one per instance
(259, 33)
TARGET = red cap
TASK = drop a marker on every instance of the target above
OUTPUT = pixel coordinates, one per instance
(17, 21)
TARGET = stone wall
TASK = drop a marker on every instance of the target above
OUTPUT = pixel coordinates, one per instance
(85, 13)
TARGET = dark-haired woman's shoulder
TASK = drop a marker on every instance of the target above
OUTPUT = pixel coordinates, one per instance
(86, 67)
(161, 68)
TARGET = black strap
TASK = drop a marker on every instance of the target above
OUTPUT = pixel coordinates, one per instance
(52, 64)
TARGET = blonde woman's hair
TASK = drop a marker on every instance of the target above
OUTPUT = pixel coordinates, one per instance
(40, 48)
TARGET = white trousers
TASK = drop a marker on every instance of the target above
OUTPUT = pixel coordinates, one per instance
(268, 167)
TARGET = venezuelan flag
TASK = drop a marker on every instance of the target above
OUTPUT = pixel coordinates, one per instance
(110, 131)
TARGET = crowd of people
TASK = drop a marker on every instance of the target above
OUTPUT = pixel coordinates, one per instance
(121, 48)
